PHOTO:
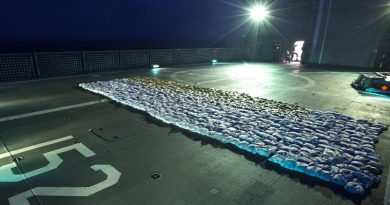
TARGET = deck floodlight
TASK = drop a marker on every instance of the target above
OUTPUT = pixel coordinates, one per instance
(155, 66)
(258, 13)
(214, 61)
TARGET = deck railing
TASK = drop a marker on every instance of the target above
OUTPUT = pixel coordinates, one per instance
(27, 66)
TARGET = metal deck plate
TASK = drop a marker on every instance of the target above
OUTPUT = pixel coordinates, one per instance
(111, 132)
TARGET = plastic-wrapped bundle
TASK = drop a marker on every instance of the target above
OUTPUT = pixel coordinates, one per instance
(326, 145)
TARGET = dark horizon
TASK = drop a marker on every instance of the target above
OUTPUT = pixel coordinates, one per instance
(136, 24)
(21, 47)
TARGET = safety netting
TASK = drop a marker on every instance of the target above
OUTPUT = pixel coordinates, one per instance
(323, 144)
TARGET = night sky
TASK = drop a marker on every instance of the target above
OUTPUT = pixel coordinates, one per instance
(28, 25)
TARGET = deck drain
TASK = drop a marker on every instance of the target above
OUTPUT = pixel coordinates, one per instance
(17, 159)
(155, 175)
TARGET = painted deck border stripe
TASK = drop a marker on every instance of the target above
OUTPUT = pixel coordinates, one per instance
(41, 112)
(29, 148)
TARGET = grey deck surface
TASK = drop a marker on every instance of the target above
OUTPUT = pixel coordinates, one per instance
(194, 169)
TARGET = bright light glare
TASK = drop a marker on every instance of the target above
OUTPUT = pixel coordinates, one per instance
(155, 66)
(259, 13)
(298, 45)
(214, 61)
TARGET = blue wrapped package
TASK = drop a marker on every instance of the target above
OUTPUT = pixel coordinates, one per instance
(339, 179)
(354, 188)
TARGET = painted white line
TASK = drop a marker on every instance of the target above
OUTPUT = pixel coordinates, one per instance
(4, 155)
(7, 175)
(15, 117)
(112, 174)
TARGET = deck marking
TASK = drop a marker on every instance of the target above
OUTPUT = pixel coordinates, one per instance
(7, 175)
(41, 112)
(174, 76)
(26, 149)
(113, 176)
